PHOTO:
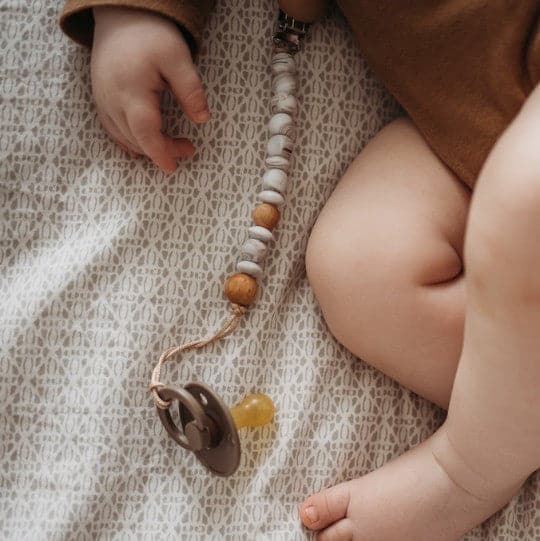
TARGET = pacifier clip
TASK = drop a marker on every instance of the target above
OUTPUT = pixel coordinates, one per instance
(208, 427)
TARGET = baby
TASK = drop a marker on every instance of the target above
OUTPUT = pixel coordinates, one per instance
(434, 284)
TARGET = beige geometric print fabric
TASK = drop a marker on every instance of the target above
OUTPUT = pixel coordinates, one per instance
(105, 262)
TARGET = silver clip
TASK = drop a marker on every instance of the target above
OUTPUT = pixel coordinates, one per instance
(290, 33)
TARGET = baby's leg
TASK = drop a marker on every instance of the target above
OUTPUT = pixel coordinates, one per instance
(384, 260)
(490, 441)
(494, 415)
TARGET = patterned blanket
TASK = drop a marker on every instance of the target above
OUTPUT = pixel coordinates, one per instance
(104, 262)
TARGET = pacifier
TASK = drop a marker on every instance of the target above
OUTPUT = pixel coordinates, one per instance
(208, 427)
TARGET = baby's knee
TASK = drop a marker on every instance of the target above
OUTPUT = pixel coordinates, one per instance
(351, 284)
(333, 271)
(336, 262)
(346, 262)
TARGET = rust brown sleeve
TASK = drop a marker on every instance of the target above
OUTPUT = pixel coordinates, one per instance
(77, 20)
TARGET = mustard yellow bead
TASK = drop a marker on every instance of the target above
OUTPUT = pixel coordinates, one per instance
(266, 215)
(256, 409)
(241, 288)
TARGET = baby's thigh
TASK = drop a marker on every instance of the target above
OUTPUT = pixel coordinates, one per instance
(395, 222)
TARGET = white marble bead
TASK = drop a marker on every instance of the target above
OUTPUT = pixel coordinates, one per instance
(284, 83)
(284, 103)
(282, 123)
(251, 268)
(280, 145)
(283, 62)
(260, 233)
(275, 179)
(277, 162)
(254, 250)
(271, 197)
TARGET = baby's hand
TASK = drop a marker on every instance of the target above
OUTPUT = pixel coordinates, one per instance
(135, 55)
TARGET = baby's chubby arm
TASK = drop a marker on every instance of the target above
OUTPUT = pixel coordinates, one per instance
(135, 55)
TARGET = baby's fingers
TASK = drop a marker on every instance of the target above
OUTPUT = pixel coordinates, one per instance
(188, 89)
(144, 122)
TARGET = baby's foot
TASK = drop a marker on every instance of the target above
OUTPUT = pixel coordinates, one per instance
(413, 497)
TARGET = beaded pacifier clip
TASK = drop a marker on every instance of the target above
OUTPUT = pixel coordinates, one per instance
(208, 427)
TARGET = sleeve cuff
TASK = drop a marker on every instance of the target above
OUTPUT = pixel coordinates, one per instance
(77, 20)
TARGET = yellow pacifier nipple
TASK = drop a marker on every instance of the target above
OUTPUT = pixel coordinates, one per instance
(256, 409)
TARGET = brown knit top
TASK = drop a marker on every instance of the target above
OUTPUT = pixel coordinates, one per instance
(460, 68)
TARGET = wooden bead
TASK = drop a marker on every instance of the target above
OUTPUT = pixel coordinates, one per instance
(266, 215)
(241, 289)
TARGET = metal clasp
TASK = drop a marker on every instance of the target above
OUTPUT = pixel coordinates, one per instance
(290, 32)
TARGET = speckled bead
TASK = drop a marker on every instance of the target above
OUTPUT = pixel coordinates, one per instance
(275, 179)
(251, 268)
(260, 233)
(280, 145)
(277, 162)
(254, 250)
(282, 123)
(284, 83)
(266, 215)
(284, 103)
(283, 63)
(271, 197)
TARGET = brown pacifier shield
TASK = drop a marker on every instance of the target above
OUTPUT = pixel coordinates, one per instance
(224, 458)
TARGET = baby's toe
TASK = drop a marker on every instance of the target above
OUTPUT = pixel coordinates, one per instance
(340, 531)
(325, 507)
